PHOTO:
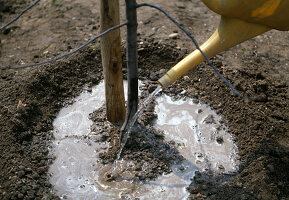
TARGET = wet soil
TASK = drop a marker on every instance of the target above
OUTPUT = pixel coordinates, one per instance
(31, 98)
(146, 151)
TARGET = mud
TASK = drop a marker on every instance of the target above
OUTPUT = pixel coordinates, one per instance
(30, 99)
(200, 143)
(145, 147)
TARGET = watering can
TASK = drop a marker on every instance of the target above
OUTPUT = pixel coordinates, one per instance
(241, 20)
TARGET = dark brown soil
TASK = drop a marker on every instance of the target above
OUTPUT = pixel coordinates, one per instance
(31, 98)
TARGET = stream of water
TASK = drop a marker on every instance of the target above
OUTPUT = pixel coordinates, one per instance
(135, 117)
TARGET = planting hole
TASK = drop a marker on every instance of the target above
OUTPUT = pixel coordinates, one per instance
(77, 172)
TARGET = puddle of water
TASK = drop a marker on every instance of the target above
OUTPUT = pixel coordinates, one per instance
(196, 129)
(73, 119)
(77, 174)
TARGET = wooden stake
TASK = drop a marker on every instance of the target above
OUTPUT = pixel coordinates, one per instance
(112, 61)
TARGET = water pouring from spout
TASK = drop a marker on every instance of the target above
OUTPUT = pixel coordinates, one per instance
(240, 21)
(127, 130)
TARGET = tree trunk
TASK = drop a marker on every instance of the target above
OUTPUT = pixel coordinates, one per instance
(132, 65)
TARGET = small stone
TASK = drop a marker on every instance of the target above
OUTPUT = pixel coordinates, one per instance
(172, 90)
(219, 105)
(199, 195)
(109, 177)
(155, 29)
(28, 170)
(186, 78)
(4, 76)
(221, 167)
(239, 184)
(182, 168)
(153, 77)
(141, 49)
(174, 36)
(200, 155)
(220, 140)
(198, 174)
(210, 119)
(198, 162)
(160, 73)
(260, 158)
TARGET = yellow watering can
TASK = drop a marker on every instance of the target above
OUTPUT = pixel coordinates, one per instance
(241, 20)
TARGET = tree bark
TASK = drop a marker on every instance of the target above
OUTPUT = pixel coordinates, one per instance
(132, 65)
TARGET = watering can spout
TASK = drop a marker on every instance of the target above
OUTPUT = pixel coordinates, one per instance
(230, 32)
